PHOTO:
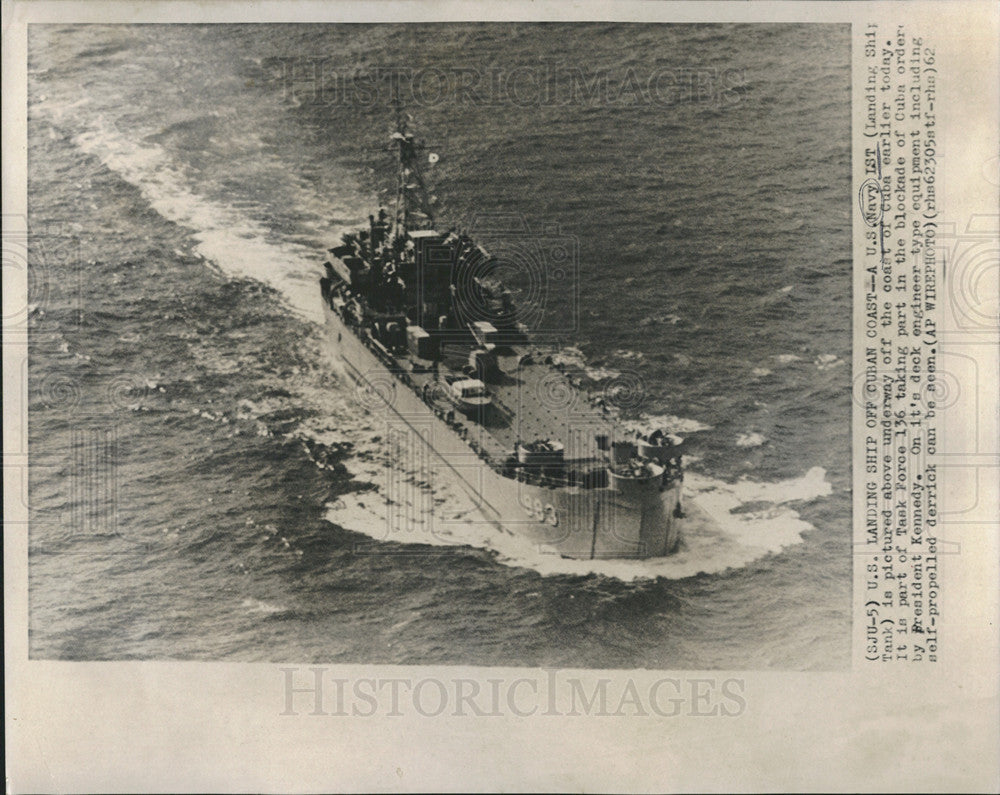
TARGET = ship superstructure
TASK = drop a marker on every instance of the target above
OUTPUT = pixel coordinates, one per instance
(424, 322)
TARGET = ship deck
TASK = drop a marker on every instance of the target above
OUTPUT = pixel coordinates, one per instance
(532, 399)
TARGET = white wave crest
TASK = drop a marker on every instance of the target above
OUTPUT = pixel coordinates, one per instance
(828, 361)
(647, 423)
(260, 606)
(237, 245)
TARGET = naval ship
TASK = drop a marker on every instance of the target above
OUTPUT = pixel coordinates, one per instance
(435, 338)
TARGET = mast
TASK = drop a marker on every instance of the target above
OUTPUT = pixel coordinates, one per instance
(399, 137)
(411, 190)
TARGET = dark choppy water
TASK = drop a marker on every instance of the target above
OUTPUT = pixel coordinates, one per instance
(201, 473)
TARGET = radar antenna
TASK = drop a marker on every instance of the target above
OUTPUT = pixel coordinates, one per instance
(413, 201)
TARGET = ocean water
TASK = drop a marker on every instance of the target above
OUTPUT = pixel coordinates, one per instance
(205, 484)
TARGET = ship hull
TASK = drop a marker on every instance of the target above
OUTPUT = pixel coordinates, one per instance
(634, 521)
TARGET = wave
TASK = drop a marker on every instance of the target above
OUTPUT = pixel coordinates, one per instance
(727, 525)
(828, 361)
(237, 245)
(647, 423)
(264, 608)
(624, 353)
(195, 127)
(663, 318)
(105, 50)
(572, 357)
(752, 439)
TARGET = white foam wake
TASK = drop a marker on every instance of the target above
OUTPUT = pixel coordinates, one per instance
(728, 525)
(237, 245)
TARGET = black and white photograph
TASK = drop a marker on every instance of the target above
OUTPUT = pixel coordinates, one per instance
(539, 396)
(509, 344)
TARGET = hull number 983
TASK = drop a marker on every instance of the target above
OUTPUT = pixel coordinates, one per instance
(539, 512)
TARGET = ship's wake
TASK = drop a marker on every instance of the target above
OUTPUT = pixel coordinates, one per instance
(236, 244)
(227, 235)
(727, 525)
